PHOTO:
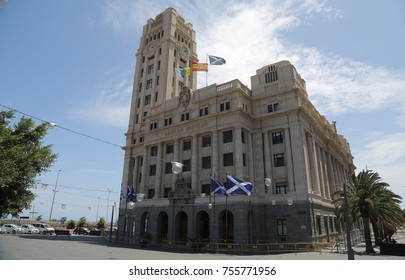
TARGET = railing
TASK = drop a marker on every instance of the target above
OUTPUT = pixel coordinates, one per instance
(256, 248)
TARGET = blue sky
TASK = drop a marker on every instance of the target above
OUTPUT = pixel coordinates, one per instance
(72, 63)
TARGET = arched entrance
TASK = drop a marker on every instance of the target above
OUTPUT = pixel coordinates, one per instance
(202, 225)
(181, 226)
(226, 228)
(162, 226)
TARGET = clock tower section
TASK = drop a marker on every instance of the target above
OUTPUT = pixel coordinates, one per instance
(167, 43)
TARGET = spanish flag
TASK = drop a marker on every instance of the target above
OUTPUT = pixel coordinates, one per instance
(197, 66)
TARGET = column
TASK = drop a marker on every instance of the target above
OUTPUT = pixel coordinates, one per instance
(215, 154)
(144, 168)
(159, 163)
(238, 153)
(194, 164)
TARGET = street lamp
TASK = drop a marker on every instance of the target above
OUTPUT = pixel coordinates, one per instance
(54, 193)
(177, 167)
(350, 255)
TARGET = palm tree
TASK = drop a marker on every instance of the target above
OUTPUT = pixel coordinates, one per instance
(370, 200)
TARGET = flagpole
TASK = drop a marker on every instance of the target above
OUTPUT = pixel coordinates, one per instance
(206, 73)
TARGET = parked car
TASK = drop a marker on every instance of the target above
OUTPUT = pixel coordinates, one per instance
(30, 229)
(11, 228)
(95, 231)
(44, 228)
(2, 230)
(81, 230)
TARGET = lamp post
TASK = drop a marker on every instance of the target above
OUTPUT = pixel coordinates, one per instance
(350, 255)
(130, 206)
(54, 193)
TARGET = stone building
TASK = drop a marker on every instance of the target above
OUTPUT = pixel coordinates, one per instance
(270, 130)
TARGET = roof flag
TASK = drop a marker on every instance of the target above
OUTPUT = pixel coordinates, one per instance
(198, 66)
(216, 60)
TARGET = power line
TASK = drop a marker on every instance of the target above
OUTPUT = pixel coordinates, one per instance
(51, 124)
(78, 188)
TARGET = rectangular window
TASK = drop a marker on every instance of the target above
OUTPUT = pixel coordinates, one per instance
(168, 121)
(153, 125)
(206, 162)
(278, 137)
(319, 225)
(279, 160)
(244, 159)
(228, 159)
(152, 170)
(149, 84)
(227, 136)
(156, 96)
(271, 75)
(185, 117)
(280, 189)
(168, 168)
(186, 145)
(151, 193)
(282, 227)
(150, 69)
(166, 192)
(206, 141)
(206, 188)
(140, 87)
(153, 151)
(226, 106)
(169, 149)
(272, 107)
(147, 100)
(186, 165)
(243, 135)
(203, 111)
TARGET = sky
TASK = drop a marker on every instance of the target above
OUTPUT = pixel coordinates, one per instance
(72, 63)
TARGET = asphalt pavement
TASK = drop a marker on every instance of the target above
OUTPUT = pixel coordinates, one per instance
(40, 247)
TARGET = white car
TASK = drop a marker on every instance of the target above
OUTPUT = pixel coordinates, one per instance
(30, 229)
(11, 228)
(44, 228)
(2, 230)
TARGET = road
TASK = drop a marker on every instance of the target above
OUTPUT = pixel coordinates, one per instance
(40, 247)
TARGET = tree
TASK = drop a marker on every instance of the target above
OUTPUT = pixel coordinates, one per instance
(101, 223)
(370, 200)
(82, 222)
(23, 157)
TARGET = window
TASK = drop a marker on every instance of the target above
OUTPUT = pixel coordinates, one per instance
(141, 139)
(152, 170)
(153, 125)
(156, 96)
(272, 107)
(280, 189)
(279, 160)
(186, 165)
(203, 111)
(271, 75)
(153, 151)
(168, 121)
(278, 137)
(228, 159)
(206, 162)
(142, 72)
(150, 69)
(151, 193)
(185, 117)
(147, 100)
(168, 168)
(166, 192)
(140, 87)
(282, 227)
(319, 225)
(186, 145)
(169, 149)
(149, 84)
(206, 188)
(244, 159)
(243, 135)
(225, 106)
(206, 141)
(227, 136)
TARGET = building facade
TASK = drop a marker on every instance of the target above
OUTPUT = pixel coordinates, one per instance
(269, 131)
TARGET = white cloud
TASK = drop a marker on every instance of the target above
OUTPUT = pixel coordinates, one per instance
(108, 103)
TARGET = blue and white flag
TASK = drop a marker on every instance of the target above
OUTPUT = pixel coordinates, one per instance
(217, 188)
(216, 60)
(131, 194)
(237, 186)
